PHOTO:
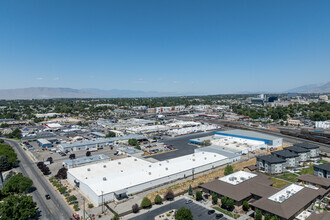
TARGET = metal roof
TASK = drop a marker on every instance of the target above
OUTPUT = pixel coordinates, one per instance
(246, 133)
(297, 149)
(307, 145)
(271, 159)
(285, 153)
(324, 166)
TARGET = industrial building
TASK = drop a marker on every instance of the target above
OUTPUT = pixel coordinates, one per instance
(232, 157)
(85, 160)
(109, 180)
(232, 144)
(83, 145)
(270, 140)
(44, 143)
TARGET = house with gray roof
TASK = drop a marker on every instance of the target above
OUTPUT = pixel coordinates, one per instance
(292, 159)
(313, 149)
(322, 170)
(304, 154)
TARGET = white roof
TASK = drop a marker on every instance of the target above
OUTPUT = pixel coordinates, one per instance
(53, 125)
(124, 173)
(285, 193)
(237, 178)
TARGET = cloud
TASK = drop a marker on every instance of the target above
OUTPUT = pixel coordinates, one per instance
(175, 82)
(39, 78)
(139, 81)
(56, 78)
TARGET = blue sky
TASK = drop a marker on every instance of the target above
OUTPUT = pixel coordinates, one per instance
(180, 46)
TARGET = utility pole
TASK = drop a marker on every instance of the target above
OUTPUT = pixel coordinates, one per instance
(102, 202)
(84, 208)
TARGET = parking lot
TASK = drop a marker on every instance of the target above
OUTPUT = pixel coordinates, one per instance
(182, 145)
(198, 211)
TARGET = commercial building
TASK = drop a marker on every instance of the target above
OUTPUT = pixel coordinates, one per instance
(270, 140)
(315, 181)
(304, 154)
(44, 143)
(232, 157)
(271, 164)
(292, 159)
(322, 170)
(85, 160)
(83, 145)
(286, 203)
(322, 124)
(109, 180)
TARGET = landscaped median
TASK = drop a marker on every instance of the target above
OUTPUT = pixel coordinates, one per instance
(235, 216)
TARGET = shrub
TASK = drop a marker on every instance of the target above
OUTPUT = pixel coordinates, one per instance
(267, 216)
(135, 208)
(62, 189)
(246, 206)
(146, 203)
(76, 207)
(115, 217)
(90, 205)
(199, 195)
(190, 190)
(214, 198)
(158, 199)
(183, 214)
(169, 195)
(258, 215)
(72, 198)
(229, 170)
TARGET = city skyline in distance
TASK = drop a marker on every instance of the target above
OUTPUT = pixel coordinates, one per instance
(212, 47)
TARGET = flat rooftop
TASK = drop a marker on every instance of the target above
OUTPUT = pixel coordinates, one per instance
(246, 133)
(285, 193)
(271, 159)
(237, 178)
(113, 176)
(285, 153)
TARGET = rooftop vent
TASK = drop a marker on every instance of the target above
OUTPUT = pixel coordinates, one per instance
(166, 168)
(215, 155)
(193, 159)
(88, 169)
(104, 179)
(135, 159)
(205, 158)
(203, 152)
(149, 173)
(150, 165)
(119, 163)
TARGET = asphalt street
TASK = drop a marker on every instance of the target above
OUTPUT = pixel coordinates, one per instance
(56, 207)
(182, 145)
(199, 212)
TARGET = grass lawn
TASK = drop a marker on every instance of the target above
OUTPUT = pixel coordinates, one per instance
(308, 170)
(323, 161)
(226, 212)
(278, 183)
(291, 177)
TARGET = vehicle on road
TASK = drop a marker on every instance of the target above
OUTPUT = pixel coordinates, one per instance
(210, 212)
(47, 196)
(188, 201)
(218, 216)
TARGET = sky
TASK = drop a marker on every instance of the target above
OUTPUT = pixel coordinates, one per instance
(206, 46)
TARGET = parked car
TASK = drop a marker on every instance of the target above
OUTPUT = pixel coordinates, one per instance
(210, 212)
(47, 196)
(188, 201)
(218, 216)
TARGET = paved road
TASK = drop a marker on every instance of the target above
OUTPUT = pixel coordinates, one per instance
(182, 145)
(199, 212)
(56, 207)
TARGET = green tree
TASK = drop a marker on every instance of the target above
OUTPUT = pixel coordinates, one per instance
(183, 214)
(267, 216)
(115, 217)
(110, 134)
(146, 203)
(190, 190)
(17, 184)
(132, 142)
(4, 163)
(1, 140)
(18, 207)
(199, 195)
(258, 215)
(214, 198)
(246, 206)
(137, 146)
(274, 218)
(158, 199)
(206, 143)
(229, 170)
(9, 151)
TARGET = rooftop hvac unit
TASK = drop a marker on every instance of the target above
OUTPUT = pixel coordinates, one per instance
(205, 158)
(193, 159)
(104, 179)
(135, 159)
(203, 152)
(215, 155)
(149, 173)
(242, 178)
(149, 165)
(104, 166)
(166, 168)
(119, 163)
(88, 169)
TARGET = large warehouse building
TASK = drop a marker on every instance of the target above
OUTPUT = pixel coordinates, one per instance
(106, 181)
(270, 140)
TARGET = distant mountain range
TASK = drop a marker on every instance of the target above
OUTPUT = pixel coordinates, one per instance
(49, 93)
(312, 88)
